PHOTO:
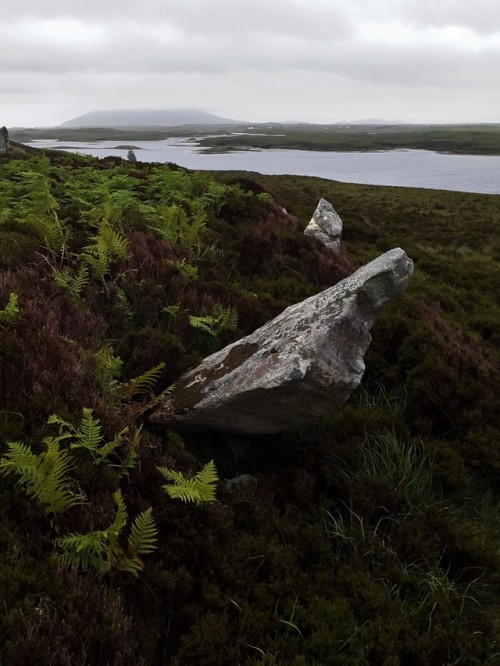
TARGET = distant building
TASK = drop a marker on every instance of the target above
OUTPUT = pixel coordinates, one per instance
(4, 140)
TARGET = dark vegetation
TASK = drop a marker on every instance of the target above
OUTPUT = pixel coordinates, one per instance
(95, 133)
(460, 139)
(465, 139)
(372, 537)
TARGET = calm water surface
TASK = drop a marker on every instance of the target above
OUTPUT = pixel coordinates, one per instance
(408, 168)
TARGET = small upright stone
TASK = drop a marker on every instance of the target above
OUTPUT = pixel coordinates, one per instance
(4, 140)
(326, 226)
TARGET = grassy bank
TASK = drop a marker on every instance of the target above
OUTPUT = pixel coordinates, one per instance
(371, 537)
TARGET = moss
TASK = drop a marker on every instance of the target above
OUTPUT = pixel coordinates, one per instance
(189, 391)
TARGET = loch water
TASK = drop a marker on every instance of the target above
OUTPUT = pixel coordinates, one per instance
(407, 168)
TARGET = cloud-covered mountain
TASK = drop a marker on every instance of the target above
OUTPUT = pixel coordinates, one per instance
(374, 121)
(168, 118)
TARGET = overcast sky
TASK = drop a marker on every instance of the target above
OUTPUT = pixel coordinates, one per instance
(256, 60)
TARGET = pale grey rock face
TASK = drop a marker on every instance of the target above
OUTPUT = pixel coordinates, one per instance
(326, 226)
(295, 367)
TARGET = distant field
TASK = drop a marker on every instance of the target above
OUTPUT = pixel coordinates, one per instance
(459, 139)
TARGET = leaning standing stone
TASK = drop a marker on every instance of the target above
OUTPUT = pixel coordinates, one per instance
(295, 367)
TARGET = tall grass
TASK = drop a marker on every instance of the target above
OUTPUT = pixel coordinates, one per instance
(404, 464)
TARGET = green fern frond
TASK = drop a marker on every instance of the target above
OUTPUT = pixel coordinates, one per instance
(166, 392)
(11, 312)
(44, 477)
(188, 271)
(108, 245)
(170, 186)
(89, 435)
(208, 474)
(188, 492)
(172, 475)
(143, 534)
(131, 457)
(51, 231)
(109, 447)
(101, 549)
(38, 197)
(199, 489)
(63, 279)
(206, 481)
(20, 460)
(131, 565)
(52, 490)
(141, 408)
(227, 318)
(80, 280)
(116, 243)
(169, 223)
(194, 231)
(214, 197)
(171, 313)
(65, 429)
(38, 209)
(142, 385)
(222, 320)
(73, 284)
(141, 540)
(108, 367)
(171, 310)
(121, 517)
(98, 258)
(207, 324)
(84, 551)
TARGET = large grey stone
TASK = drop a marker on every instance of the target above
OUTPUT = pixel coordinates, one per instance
(295, 367)
(326, 226)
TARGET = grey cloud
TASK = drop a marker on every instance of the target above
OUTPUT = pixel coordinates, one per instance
(255, 58)
(323, 18)
(214, 17)
(157, 48)
(481, 16)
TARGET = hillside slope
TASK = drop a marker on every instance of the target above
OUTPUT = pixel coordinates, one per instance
(371, 537)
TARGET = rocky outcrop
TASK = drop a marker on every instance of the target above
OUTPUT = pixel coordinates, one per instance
(293, 368)
(4, 140)
(326, 226)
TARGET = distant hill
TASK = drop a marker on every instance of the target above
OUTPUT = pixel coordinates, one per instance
(371, 121)
(172, 118)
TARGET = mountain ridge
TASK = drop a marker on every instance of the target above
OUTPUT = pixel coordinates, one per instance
(148, 118)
